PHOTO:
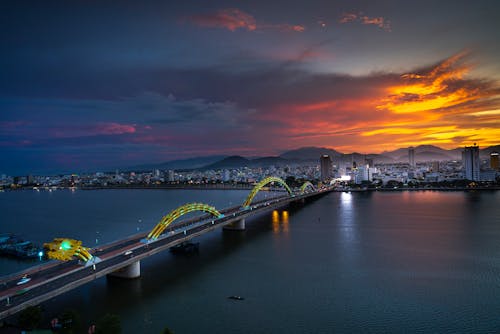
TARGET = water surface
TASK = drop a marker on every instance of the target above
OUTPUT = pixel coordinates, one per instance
(347, 262)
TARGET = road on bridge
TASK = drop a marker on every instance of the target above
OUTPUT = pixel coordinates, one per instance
(54, 278)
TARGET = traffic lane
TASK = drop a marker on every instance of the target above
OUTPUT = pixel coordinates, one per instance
(117, 259)
(38, 275)
(88, 271)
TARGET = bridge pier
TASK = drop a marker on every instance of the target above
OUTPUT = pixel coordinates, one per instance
(131, 271)
(236, 226)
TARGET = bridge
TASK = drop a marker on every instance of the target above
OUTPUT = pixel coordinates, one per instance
(79, 265)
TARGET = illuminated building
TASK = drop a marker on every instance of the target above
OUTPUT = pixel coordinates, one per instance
(326, 167)
(411, 157)
(470, 162)
(171, 176)
(362, 174)
(494, 163)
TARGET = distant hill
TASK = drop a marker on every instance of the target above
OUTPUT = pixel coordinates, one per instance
(422, 153)
(234, 161)
(269, 161)
(432, 156)
(380, 158)
(238, 161)
(309, 153)
(191, 163)
(486, 151)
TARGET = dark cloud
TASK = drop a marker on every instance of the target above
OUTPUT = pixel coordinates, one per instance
(85, 81)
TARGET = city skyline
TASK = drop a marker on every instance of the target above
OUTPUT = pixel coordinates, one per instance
(95, 85)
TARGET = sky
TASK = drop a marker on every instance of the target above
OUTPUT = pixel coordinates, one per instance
(93, 85)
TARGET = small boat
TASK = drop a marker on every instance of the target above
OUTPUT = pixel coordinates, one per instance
(236, 298)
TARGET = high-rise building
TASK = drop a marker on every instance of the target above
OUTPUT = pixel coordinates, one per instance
(494, 163)
(435, 166)
(470, 162)
(325, 164)
(362, 174)
(226, 175)
(411, 157)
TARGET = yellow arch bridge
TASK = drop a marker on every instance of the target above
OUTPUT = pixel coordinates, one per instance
(262, 184)
(306, 185)
(65, 249)
(180, 211)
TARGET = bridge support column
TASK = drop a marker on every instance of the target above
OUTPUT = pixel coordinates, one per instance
(131, 271)
(236, 226)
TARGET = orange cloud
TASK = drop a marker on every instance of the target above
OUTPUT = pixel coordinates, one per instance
(442, 106)
(233, 19)
(439, 105)
(363, 19)
(442, 87)
(348, 17)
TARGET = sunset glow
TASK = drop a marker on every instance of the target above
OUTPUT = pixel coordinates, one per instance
(177, 81)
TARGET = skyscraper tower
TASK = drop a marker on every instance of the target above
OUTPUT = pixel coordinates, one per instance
(494, 163)
(325, 164)
(411, 157)
(470, 162)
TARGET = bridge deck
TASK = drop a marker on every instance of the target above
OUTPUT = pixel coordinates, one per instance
(53, 278)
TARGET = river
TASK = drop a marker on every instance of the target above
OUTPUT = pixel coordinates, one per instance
(379, 262)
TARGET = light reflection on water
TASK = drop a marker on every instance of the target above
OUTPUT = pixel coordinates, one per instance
(280, 220)
(347, 217)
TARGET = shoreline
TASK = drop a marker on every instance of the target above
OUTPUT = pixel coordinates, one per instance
(247, 187)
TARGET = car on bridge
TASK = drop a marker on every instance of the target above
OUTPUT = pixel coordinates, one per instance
(129, 252)
(25, 279)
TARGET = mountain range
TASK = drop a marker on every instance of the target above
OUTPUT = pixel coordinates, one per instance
(312, 154)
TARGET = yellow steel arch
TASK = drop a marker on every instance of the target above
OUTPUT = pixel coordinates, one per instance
(180, 211)
(305, 185)
(64, 249)
(263, 183)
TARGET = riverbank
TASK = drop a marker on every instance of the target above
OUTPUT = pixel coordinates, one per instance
(247, 187)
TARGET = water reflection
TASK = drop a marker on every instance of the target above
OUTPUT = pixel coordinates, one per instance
(284, 216)
(346, 213)
(280, 222)
(347, 217)
(381, 262)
